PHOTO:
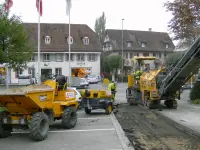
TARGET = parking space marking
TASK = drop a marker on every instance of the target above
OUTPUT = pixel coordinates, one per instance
(65, 131)
(94, 118)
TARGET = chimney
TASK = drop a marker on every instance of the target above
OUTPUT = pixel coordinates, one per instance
(150, 29)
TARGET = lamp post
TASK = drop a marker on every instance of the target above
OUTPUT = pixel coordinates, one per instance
(122, 49)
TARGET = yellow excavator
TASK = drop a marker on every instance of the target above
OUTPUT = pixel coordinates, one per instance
(158, 83)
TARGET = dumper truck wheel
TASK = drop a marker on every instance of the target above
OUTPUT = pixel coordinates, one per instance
(69, 117)
(87, 111)
(5, 130)
(39, 126)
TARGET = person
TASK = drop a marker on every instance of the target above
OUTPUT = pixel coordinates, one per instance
(137, 75)
(112, 89)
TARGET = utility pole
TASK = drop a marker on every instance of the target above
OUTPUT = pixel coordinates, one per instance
(122, 50)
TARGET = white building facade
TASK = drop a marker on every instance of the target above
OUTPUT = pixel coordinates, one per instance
(54, 59)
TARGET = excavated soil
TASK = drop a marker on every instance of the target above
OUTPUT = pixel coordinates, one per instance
(149, 131)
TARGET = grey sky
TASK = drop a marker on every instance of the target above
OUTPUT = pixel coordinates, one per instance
(138, 14)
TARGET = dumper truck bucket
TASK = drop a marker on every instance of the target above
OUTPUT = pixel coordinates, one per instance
(28, 99)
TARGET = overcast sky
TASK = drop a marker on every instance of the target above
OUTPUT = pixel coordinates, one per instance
(138, 14)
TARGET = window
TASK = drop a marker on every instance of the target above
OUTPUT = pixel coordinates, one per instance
(145, 54)
(143, 44)
(154, 54)
(86, 40)
(131, 55)
(91, 57)
(18, 72)
(160, 55)
(71, 57)
(47, 40)
(80, 57)
(71, 40)
(31, 71)
(166, 45)
(33, 58)
(46, 57)
(58, 71)
(129, 44)
(126, 55)
(59, 57)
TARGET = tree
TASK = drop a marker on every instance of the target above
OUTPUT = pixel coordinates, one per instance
(100, 27)
(14, 45)
(185, 19)
(112, 63)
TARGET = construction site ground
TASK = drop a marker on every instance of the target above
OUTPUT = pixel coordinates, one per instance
(155, 130)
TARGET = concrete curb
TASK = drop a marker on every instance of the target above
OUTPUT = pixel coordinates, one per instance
(177, 125)
(123, 139)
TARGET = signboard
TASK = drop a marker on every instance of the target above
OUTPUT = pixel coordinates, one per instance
(70, 95)
(43, 97)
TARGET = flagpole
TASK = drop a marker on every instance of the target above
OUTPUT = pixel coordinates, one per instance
(39, 74)
(69, 42)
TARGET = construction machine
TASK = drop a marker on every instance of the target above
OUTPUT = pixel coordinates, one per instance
(158, 83)
(36, 107)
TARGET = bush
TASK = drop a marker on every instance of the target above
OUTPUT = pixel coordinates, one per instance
(195, 91)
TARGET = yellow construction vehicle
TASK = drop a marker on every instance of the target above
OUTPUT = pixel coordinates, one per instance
(36, 107)
(143, 89)
(97, 99)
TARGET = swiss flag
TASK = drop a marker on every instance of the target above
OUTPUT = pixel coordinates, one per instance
(37, 6)
(9, 4)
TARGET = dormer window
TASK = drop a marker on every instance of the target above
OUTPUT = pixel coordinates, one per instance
(47, 40)
(166, 45)
(143, 44)
(71, 40)
(129, 44)
(86, 40)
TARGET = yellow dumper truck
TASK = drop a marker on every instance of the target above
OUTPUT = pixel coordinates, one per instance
(36, 107)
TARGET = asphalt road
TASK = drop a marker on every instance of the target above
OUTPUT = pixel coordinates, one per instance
(96, 131)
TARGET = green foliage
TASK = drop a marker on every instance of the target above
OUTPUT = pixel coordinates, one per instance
(112, 63)
(185, 18)
(173, 58)
(100, 27)
(195, 92)
(14, 45)
(196, 101)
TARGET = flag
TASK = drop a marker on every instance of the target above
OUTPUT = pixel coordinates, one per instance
(69, 5)
(37, 6)
(8, 5)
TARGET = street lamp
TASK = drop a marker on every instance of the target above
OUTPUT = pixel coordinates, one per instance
(122, 50)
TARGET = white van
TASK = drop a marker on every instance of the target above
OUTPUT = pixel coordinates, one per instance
(25, 79)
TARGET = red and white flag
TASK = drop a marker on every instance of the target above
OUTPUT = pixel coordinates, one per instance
(8, 5)
(37, 6)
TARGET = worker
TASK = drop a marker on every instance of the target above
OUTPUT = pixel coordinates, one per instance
(137, 75)
(112, 89)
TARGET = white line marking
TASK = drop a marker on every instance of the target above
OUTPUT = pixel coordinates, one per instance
(65, 131)
(95, 118)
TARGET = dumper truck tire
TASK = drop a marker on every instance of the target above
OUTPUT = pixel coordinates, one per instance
(69, 117)
(5, 131)
(39, 126)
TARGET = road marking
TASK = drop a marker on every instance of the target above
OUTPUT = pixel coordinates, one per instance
(95, 118)
(65, 131)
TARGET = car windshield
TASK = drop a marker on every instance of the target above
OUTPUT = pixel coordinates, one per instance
(83, 80)
(92, 76)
